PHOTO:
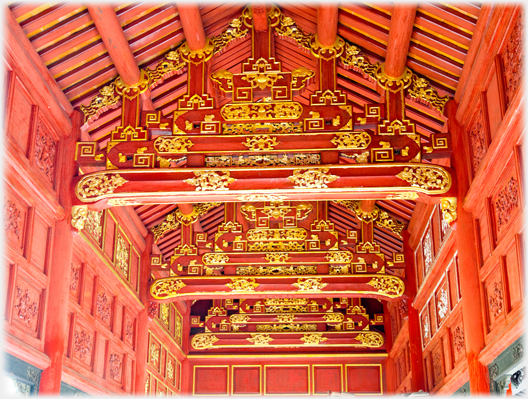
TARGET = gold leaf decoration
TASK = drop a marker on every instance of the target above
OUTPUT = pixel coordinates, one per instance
(334, 317)
(242, 284)
(210, 181)
(310, 284)
(79, 214)
(285, 318)
(261, 143)
(352, 140)
(93, 186)
(391, 286)
(429, 178)
(313, 339)
(239, 318)
(260, 339)
(277, 257)
(312, 178)
(422, 91)
(261, 197)
(339, 257)
(449, 209)
(166, 287)
(370, 339)
(203, 341)
(172, 145)
(215, 258)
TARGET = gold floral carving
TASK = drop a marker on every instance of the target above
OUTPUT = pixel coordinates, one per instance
(215, 258)
(388, 222)
(409, 196)
(354, 58)
(285, 301)
(389, 285)
(276, 234)
(172, 145)
(334, 317)
(352, 140)
(339, 257)
(239, 318)
(313, 339)
(275, 270)
(312, 178)
(154, 354)
(235, 30)
(449, 209)
(210, 181)
(261, 143)
(261, 197)
(93, 224)
(242, 284)
(310, 284)
(122, 256)
(170, 371)
(260, 339)
(203, 341)
(93, 186)
(261, 111)
(106, 99)
(166, 287)
(79, 214)
(286, 327)
(370, 339)
(429, 178)
(277, 257)
(276, 246)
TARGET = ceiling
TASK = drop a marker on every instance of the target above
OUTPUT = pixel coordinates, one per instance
(66, 39)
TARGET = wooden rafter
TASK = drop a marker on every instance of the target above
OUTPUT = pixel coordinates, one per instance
(402, 22)
(192, 24)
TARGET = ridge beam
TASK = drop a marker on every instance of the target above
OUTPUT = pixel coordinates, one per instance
(108, 26)
(400, 33)
(327, 19)
(192, 25)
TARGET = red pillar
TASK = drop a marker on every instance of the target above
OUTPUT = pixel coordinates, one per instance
(143, 319)
(327, 19)
(192, 25)
(467, 255)
(402, 21)
(56, 323)
(415, 344)
(390, 378)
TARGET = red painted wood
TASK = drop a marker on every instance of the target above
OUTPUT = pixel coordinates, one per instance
(401, 28)
(192, 24)
(108, 26)
(327, 15)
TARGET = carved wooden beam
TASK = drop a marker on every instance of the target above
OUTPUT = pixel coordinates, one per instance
(327, 16)
(191, 21)
(400, 32)
(31, 69)
(108, 26)
(260, 17)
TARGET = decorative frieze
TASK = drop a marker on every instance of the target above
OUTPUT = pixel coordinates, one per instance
(505, 202)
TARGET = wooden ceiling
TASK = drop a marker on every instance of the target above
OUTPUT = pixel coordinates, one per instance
(67, 41)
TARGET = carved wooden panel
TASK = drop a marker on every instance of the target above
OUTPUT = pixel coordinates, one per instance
(425, 323)
(15, 221)
(40, 243)
(115, 367)
(458, 342)
(494, 297)
(45, 151)
(428, 249)
(442, 302)
(438, 365)
(103, 305)
(288, 379)
(154, 353)
(246, 380)
(478, 141)
(84, 339)
(209, 380)
(513, 268)
(512, 59)
(27, 306)
(20, 116)
(129, 328)
(505, 205)
(493, 97)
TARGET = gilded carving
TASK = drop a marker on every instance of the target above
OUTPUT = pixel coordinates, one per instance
(215, 258)
(275, 270)
(45, 153)
(122, 256)
(79, 215)
(164, 314)
(428, 178)
(286, 327)
(458, 342)
(93, 186)
(170, 371)
(172, 145)
(261, 197)
(235, 30)
(276, 246)
(449, 209)
(334, 317)
(93, 224)
(422, 91)
(26, 308)
(507, 200)
(276, 234)
(260, 339)
(261, 143)
(165, 288)
(425, 325)
(154, 354)
(339, 257)
(115, 366)
(106, 99)
(210, 181)
(285, 318)
(357, 141)
(313, 339)
(285, 301)
(310, 284)
(312, 178)
(203, 341)
(443, 304)
(12, 218)
(370, 339)
(239, 318)
(277, 257)
(428, 251)
(389, 285)
(354, 58)
(261, 111)
(242, 284)
(83, 345)
(262, 160)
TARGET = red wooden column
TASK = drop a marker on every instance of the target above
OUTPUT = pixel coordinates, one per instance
(472, 306)
(402, 21)
(143, 319)
(192, 25)
(56, 323)
(327, 18)
(415, 344)
(390, 372)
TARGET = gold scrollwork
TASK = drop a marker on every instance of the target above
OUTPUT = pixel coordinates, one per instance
(285, 318)
(354, 58)
(310, 284)
(312, 178)
(242, 284)
(239, 318)
(352, 140)
(313, 339)
(393, 84)
(172, 145)
(210, 181)
(426, 177)
(389, 285)
(334, 317)
(203, 341)
(263, 111)
(79, 215)
(260, 339)
(261, 143)
(166, 287)
(93, 186)
(276, 234)
(275, 270)
(277, 257)
(339, 257)
(449, 209)
(285, 301)
(261, 197)
(422, 91)
(286, 327)
(370, 339)
(105, 99)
